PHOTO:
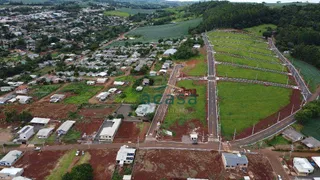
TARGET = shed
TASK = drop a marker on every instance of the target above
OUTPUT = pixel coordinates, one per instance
(292, 135)
(10, 158)
(44, 133)
(197, 46)
(302, 166)
(57, 97)
(139, 88)
(65, 127)
(311, 143)
(103, 96)
(42, 121)
(232, 161)
(6, 88)
(9, 173)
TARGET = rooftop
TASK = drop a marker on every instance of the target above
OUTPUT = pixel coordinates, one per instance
(37, 120)
(111, 127)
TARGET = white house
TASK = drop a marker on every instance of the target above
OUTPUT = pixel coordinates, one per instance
(41, 121)
(118, 83)
(26, 132)
(232, 161)
(44, 133)
(56, 98)
(144, 109)
(316, 159)
(6, 88)
(112, 90)
(302, 166)
(125, 155)
(21, 178)
(102, 80)
(109, 131)
(10, 158)
(9, 173)
(197, 46)
(24, 99)
(91, 82)
(65, 127)
(103, 96)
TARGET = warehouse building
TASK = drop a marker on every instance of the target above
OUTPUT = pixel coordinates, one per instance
(44, 133)
(65, 127)
(10, 158)
(9, 173)
(302, 166)
(40, 121)
(26, 133)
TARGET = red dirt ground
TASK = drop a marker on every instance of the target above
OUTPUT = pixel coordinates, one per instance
(38, 165)
(181, 164)
(130, 131)
(272, 119)
(103, 163)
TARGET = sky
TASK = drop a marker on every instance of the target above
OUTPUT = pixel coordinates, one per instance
(260, 1)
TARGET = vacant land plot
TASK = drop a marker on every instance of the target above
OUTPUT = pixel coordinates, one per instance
(103, 163)
(258, 30)
(37, 165)
(243, 105)
(40, 91)
(196, 66)
(116, 13)
(236, 72)
(182, 164)
(175, 30)
(180, 113)
(81, 92)
(310, 73)
(132, 131)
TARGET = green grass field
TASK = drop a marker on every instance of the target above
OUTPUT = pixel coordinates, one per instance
(182, 113)
(310, 73)
(72, 136)
(198, 69)
(116, 13)
(258, 30)
(243, 105)
(136, 11)
(64, 163)
(154, 33)
(230, 71)
(41, 91)
(227, 58)
(312, 128)
(82, 92)
(277, 140)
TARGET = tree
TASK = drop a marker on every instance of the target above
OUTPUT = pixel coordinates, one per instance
(80, 172)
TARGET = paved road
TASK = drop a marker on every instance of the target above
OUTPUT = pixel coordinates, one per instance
(163, 107)
(212, 99)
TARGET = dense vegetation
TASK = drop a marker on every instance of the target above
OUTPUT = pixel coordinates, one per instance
(298, 26)
(80, 172)
(308, 112)
(186, 51)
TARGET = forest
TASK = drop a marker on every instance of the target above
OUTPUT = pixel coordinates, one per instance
(298, 27)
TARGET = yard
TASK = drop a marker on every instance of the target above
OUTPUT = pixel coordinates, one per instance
(243, 105)
(180, 113)
(236, 72)
(80, 92)
(40, 91)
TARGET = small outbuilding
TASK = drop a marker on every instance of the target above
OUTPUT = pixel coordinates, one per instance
(91, 82)
(102, 80)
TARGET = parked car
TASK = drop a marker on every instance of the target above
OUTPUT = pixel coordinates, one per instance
(37, 148)
(77, 153)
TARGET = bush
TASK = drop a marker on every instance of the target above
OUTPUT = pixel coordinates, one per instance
(80, 172)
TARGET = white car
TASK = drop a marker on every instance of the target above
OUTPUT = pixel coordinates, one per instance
(77, 153)
(37, 148)
(279, 177)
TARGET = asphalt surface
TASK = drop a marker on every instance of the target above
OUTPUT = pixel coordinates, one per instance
(163, 107)
(212, 99)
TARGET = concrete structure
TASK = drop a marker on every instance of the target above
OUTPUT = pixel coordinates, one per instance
(10, 158)
(302, 166)
(125, 155)
(9, 173)
(144, 109)
(44, 133)
(311, 143)
(109, 131)
(65, 127)
(292, 135)
(26, 132)
(232, 161)
(24, 99)
(41, 121)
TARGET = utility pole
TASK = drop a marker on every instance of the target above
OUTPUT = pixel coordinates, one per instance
(278, 117)
(234, 134)
(253, 129)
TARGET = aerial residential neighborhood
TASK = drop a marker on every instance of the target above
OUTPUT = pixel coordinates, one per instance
(159, 90)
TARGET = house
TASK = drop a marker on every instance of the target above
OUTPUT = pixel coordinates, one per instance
(40, 121)
(102, 80)
(9, 173)
(125, 155)
(26, 132)
(144, 109)
(118, 83)
(316, 159)
(56, 98)
(6, 88)
(311, 143)
(197, 46)
(24, 99)
(126, 177)
(91, 82)
(232, 161)
(153, 73)
(169, 52)
(21, 178)
(4, 100)
(302, 166)
(162, 71)
(23, 89)
(292, 135)
(112, 90)
(65, 127)
(44, 133)
(145, 81)
(139, 88)
(110, 129)
(103, 96)
(10, 158)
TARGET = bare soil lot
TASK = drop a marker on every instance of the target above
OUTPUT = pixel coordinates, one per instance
(103, 163)
(38, 165)
(130, 131)
(181, 164)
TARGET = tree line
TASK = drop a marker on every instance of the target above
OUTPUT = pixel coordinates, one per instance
(309, 112)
